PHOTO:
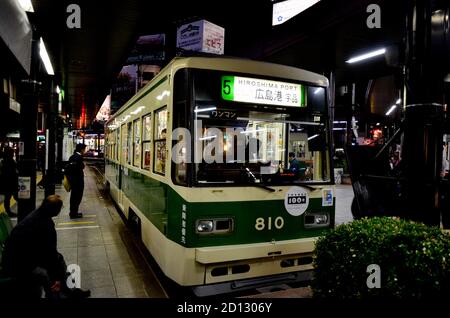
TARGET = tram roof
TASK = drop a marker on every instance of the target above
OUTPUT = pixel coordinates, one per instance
(232, 64)
(251, 67)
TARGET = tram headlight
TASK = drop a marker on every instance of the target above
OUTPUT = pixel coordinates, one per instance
(214, 226)
(205, 226)
(321, 219)
(316, 220)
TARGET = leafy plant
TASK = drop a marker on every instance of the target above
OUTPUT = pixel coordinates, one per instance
(413, 260)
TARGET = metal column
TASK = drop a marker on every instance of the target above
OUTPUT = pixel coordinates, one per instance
(422, 148)
(28, 134)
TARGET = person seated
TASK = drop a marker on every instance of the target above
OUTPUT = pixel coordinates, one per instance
(31, 256)
(296, 166)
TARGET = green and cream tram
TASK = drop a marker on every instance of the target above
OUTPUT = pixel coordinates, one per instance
(200, 158)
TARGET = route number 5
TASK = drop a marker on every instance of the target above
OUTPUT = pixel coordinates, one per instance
(226, 87)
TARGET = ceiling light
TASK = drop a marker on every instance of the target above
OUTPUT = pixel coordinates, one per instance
(45, 58)
(198, 110)
(282, 11)
(312, 137)
(26, 5)
(252, 131)
(208, 138)
(393, 107)
(366, 56)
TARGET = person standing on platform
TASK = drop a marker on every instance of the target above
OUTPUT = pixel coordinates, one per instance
(9, 179)
(76, 179)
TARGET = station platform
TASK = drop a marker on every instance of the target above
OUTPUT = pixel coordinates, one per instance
(111, 265)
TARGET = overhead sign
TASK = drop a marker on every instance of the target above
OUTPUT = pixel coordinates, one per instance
(260, 91)
(148, 49)
(201, 36)
(189, 36)
(285, 10)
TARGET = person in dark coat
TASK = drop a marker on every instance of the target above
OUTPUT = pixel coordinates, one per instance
(76, 179)
(31, 256)
(9, 180)
(296, 166)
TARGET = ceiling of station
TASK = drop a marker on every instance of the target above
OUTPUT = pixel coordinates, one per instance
(89, 58)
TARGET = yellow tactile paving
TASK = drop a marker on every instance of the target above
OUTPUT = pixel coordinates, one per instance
(76, 223)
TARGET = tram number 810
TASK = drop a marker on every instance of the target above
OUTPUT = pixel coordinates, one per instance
(261, 223)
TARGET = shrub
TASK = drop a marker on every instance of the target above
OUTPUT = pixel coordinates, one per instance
(413, 260)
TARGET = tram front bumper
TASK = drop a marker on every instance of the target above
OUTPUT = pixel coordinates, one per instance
(246, 261)
(232, 253)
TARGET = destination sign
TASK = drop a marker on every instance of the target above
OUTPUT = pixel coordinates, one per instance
(260, 91)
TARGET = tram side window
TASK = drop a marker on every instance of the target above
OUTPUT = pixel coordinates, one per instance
(124, 152)
(137, 143)
(117, 145)
(129, 143)
(110, 142)
(180, 146)
(308, 144)
(107, 147)
(146, 141)
(160, 131)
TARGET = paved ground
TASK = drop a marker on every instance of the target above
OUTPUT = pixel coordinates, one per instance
(111, 265)
(101, 245)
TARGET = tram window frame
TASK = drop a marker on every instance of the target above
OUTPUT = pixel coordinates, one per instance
(203, 93)
(159, 142)
(137, 142)
(182, 98)
(146, 140)
(117, 146)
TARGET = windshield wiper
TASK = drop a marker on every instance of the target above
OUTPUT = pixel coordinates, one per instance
(254, 183)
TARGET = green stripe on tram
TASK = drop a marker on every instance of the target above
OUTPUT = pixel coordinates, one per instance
(163, 206)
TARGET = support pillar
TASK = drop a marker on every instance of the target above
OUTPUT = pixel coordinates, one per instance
(28, 134)
(422, 148)
(51, 143)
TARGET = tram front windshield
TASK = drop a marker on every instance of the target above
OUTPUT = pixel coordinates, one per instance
(259, 143)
